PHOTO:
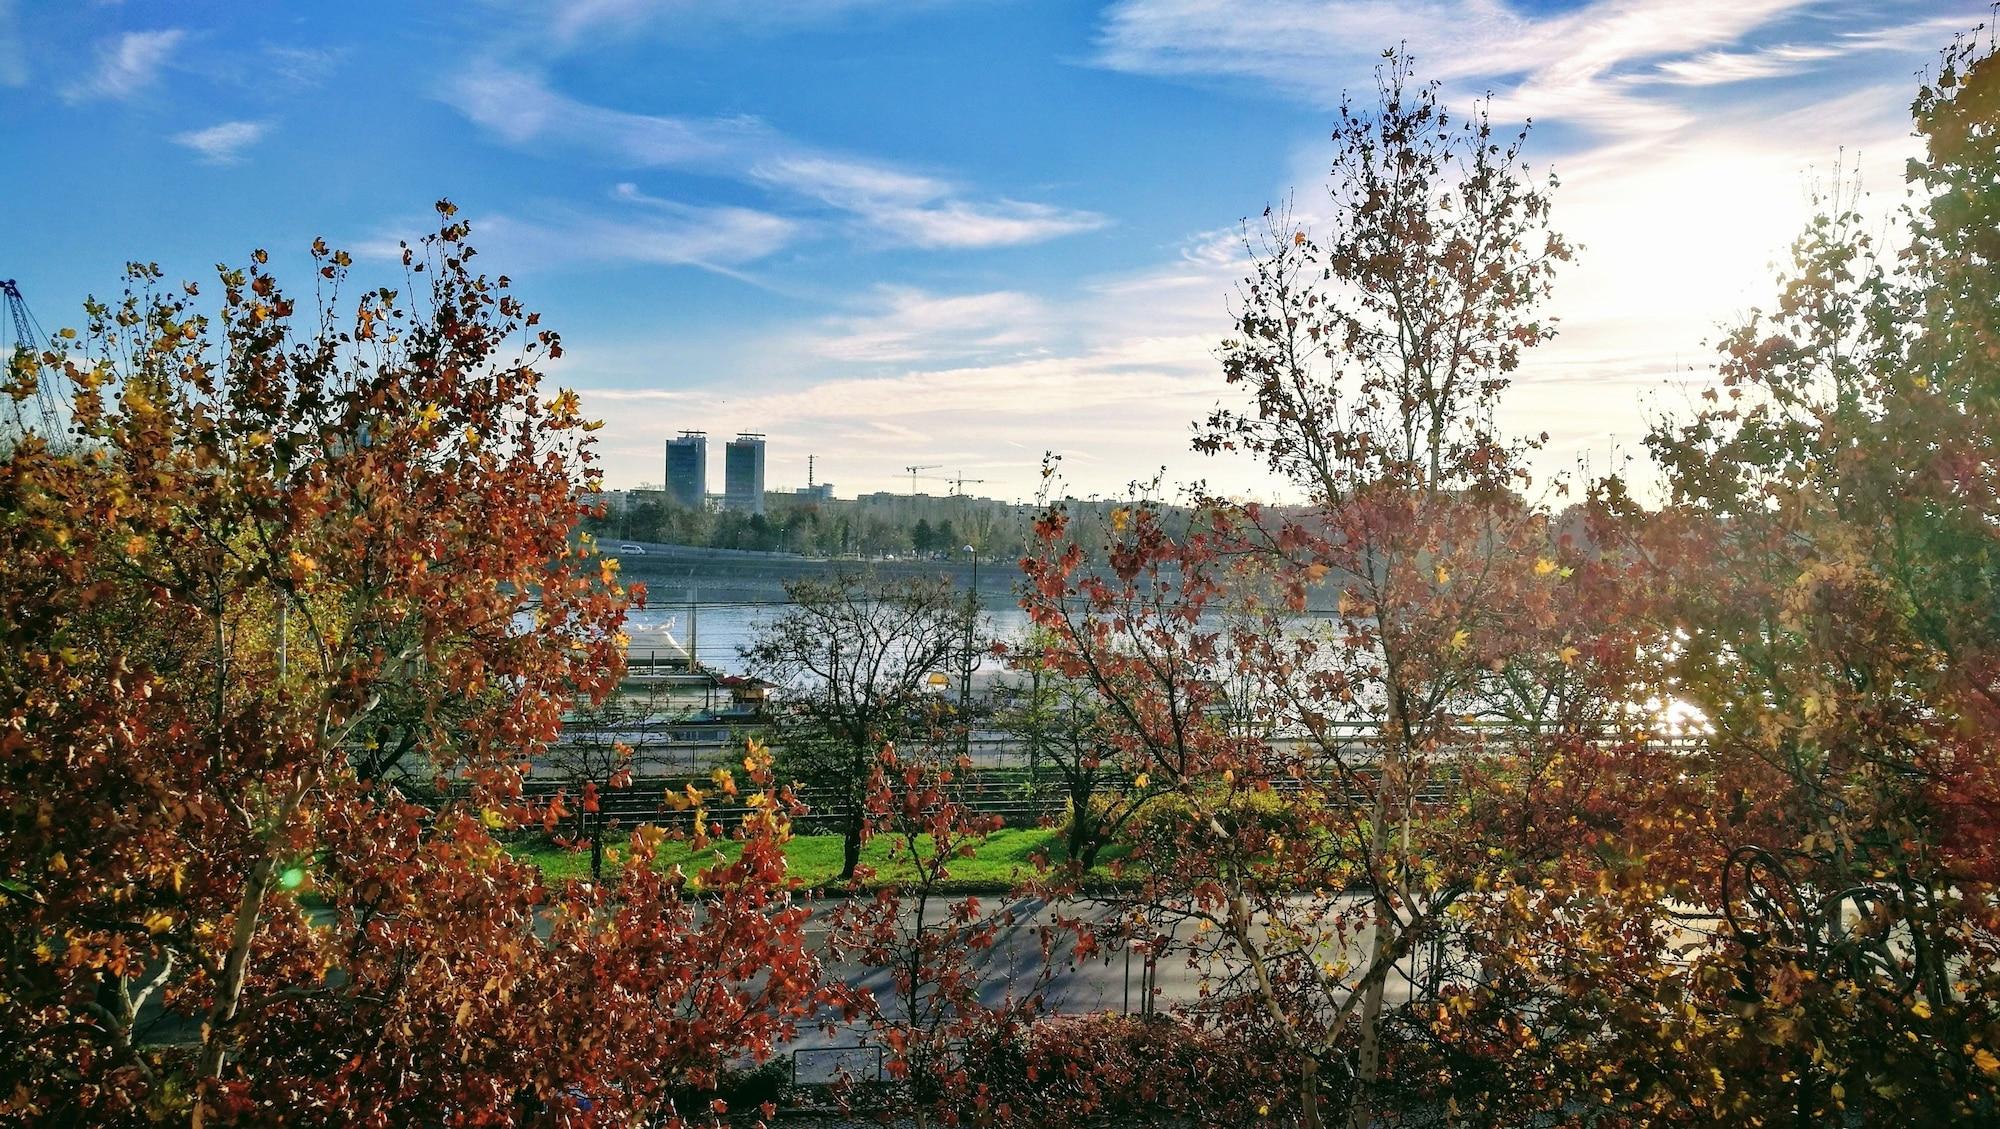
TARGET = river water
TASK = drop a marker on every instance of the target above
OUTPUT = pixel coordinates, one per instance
(719, 629)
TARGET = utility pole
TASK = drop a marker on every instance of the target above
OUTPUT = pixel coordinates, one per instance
(965, 674)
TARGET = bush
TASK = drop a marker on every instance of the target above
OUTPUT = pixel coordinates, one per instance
(1116, 1070)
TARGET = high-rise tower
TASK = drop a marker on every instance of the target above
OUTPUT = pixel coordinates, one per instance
(687, 469)
(743, 473)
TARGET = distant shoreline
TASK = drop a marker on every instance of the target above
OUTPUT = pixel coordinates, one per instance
(675, 574)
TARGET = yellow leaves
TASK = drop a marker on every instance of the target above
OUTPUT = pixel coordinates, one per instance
(1544, 566)
(1984, 1060)
(159, 922)
(1568, 655)
(1316, 572)
(1460, 638)
(1921, 1009)
(566, 406)
(492, 819)
(1142, 780)
(1121, 519)
(464, 1013)
(1229, 776)
(471, 436)
(427, 416)
(1443, 575)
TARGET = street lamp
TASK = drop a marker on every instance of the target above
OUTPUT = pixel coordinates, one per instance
(965, 674)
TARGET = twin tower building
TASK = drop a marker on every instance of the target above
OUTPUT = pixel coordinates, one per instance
(742, 471)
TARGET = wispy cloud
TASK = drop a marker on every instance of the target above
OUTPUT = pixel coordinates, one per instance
(302, 66)
(13, 60)
(888, 204)
(1717, 67)
(126, 65)
(911, 325)
(1591, 65)
(567, 22)
(660, 232)
(223, 144)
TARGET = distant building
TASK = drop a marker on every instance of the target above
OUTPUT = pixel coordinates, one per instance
(743, 474)
(687, 469)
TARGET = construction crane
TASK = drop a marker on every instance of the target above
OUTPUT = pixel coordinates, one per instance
(45, 416)
(913, 474)
(958, 484)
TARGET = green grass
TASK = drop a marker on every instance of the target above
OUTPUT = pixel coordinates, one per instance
(1000, 861)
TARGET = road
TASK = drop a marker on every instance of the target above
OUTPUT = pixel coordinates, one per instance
(1116, 981)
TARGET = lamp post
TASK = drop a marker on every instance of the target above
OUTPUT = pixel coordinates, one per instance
(965, 673)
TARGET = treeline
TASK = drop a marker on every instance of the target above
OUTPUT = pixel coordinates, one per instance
(872, 527)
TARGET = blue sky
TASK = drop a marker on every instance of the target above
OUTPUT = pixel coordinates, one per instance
(958, 232)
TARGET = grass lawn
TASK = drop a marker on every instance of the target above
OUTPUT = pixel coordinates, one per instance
(1002, 860)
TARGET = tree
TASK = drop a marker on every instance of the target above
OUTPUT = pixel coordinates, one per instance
(931, 945)
(277, 522)
(1062, 722)
(1831, 531)
(857, 656)
(1373, 357)
(596, 753)
(922, 537)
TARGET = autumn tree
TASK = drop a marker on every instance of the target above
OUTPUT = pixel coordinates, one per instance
(856, 656)
(1309, 757)
(1831, 525)
(601, 744)
(279, 520)
(936, 947)
(1062, 723)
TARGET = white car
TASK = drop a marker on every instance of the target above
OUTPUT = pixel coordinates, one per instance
(635, 550)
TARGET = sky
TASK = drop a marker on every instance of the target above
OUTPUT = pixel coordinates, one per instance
(950, 232)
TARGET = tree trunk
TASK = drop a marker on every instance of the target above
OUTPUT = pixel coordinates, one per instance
(1368, 1062)
(850, 845)
(235, 966)
(1309, 1093)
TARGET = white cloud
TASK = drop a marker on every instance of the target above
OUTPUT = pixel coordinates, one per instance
(666, 234)
(886, 203)
(915, 326)
(1591, 65)
(1111, 376)
(1718, 67)
(222, 144)
(959, 223)
(126, 65)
